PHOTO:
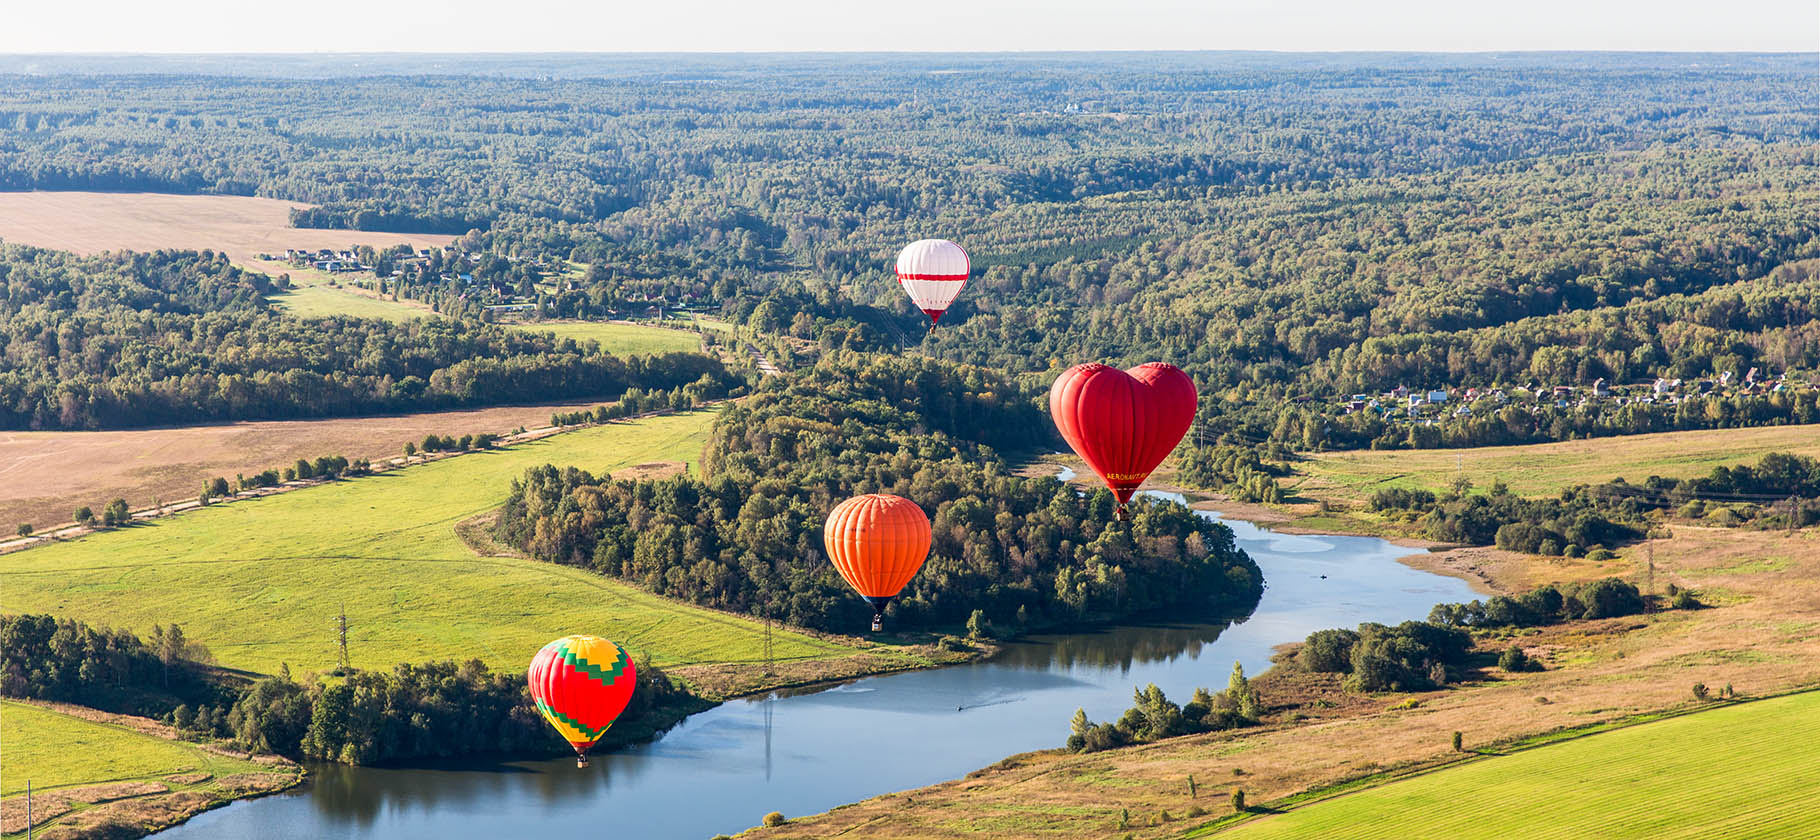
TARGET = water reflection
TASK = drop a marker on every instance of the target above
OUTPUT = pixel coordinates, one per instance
(807, 751)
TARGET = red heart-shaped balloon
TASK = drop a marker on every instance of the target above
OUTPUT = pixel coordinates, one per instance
(1123, 422)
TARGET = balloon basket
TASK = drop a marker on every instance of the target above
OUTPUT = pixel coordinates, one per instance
(1124, 514)
(878, 623)
(581, 762)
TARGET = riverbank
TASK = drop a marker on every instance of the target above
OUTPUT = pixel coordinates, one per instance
(1757, 635)
(155, 779)
(1489, 570)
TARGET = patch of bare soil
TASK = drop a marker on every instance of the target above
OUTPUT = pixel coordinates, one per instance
(654, 469)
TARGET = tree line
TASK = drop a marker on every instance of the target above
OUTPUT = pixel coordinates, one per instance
(1780, 491)
(430, 710)
(124, 340)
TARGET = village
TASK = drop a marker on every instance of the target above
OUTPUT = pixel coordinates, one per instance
(1430, 405)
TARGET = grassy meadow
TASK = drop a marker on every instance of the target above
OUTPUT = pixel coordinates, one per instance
(261, 581)
(52, 750)
(621, 339)
(1543, 469)
(1745, 771)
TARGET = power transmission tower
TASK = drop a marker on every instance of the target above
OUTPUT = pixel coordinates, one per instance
(768, 672)
(341, 634)
(1649, 592)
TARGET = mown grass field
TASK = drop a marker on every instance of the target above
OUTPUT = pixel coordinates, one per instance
(1747, 771)
(322, 301)
(261, 581)
(1543, 469)
(53, 750)
(621, 339)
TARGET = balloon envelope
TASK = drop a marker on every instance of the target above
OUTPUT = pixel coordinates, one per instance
(932, 272)
(878, 542)
(1123, 423)
(581, 684)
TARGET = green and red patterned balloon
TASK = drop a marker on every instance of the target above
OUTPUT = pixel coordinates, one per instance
(581, 685)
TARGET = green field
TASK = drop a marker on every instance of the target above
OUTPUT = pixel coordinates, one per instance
(324, 301)
(1745, 771)
(621, 339)
(1545, 468)
(261, 581)
(53, 750)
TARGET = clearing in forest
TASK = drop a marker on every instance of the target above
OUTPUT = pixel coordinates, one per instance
(619, 338)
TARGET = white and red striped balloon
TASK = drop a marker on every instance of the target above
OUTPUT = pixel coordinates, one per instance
(932, 272)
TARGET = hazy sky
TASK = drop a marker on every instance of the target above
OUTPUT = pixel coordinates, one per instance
(917, 25)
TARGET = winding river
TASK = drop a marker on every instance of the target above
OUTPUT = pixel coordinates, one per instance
(805, 752)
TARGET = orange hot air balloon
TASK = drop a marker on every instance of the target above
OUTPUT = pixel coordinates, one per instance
(878, 542)
(581, 684)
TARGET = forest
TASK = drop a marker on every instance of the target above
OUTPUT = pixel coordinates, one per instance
(125, 340)
(1289, 229)
(1020, 553)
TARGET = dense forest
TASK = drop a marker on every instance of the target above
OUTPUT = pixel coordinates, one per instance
(122, 340)
(1023, 552)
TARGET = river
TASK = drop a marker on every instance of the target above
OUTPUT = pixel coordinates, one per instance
(804, 752)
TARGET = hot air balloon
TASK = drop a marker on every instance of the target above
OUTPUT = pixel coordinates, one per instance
(878, 542)
(581, 684)
(1123, 422)
(932, 272)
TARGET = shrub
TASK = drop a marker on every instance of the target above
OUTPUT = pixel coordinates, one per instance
(1327, 651)
(1549, 547)
(24, 529)
(1700, 691)
(1458, 742)
(1607, 598)
(1515, 660)
(774, 819)
(1600, 554)
(1685, 600)
(976, 625)
(1238, 801)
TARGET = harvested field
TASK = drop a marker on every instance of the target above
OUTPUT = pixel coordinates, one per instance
(241, 226)
(44, 476)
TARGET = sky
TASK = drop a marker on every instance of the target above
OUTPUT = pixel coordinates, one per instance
(240, 26)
